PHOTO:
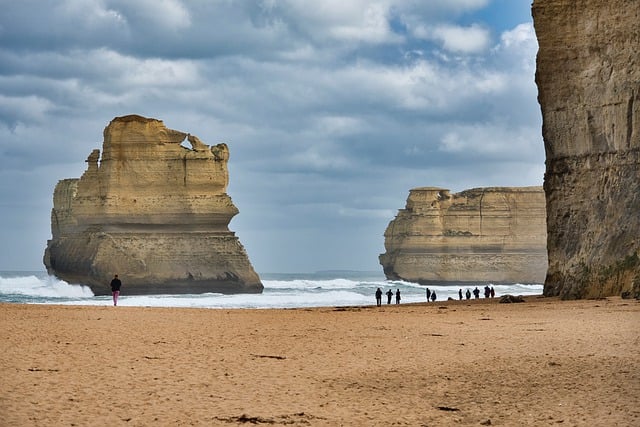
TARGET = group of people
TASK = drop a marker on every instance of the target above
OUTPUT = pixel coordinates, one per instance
(489, 292)
(389, 294)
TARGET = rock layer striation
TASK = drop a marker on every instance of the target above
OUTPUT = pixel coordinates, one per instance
(588, 77)
(153, 211)
(484, 234)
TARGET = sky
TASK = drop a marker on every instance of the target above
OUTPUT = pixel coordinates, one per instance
(332, 110)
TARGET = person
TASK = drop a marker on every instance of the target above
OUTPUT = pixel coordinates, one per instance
(468, 295)
(389, 295)
(487, 291)
(378, 297)
(428, 294)
(493, 292)
(460, 294)
(115, 289)
(433, 296)
(476, 293)
(398, 296)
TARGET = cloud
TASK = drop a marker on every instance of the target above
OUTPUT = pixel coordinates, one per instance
(332, 112)
(453, 38)
(168, 15)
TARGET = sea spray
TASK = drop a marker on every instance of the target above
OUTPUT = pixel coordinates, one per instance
(39, 287)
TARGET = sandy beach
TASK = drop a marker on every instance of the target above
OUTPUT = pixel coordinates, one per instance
(542, 362)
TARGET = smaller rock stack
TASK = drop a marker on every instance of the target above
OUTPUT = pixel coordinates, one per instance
(493, 235)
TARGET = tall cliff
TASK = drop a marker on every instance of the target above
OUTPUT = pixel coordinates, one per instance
(153, 211)
(588, 77)
(479, 235)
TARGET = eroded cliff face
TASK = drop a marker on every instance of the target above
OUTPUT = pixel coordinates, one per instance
(588, 77)
(153, 211)
(480, 235)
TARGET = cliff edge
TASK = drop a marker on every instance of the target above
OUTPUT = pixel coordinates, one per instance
(495, 234)
(588, 77)
(153, 211)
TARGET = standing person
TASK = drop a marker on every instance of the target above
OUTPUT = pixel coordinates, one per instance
(468, 294)
(428, 294)
(493, 292)
(398, 296)
(460, 294)
(487, 291)
(476, 293)
(433, 296)
(378, 297)
(389, 295)
(115, 289)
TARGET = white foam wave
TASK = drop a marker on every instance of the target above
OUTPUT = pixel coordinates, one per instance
(46, 287)
(304, 284)
(266, 300)
(301, 292)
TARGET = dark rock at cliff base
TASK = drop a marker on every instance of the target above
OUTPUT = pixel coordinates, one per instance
(153, 211)
(507, 299)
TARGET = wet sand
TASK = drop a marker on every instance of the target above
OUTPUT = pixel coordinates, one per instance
(542, 362)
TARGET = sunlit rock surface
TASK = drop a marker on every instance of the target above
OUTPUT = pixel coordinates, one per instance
(588, 77)
(495, 234)
(153, 211)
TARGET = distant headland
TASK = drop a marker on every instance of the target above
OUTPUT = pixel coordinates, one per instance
(493, 234)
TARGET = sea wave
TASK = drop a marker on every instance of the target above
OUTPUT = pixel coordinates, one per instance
(292, 293)
(42, 287)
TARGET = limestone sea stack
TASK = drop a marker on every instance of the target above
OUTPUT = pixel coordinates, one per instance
(494, 234)
(588, 77)
(154, 212)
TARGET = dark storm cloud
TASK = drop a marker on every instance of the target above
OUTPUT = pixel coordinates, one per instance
(332, 111)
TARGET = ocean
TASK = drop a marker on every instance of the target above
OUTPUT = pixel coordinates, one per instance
(281, 290)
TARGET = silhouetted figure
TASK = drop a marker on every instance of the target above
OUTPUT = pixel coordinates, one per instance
(493, 292)
(476, 293)
(487, 291)
(468, 294)
(428, 294)
(460, 294)
(115, 289)
(378, 297)
(398, 296)
(389, 296)
(433, 296)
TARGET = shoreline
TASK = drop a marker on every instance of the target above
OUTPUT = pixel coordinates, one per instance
(541, 362)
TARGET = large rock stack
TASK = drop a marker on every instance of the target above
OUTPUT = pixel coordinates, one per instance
(588, 77)
(495, 234)
(153, 211)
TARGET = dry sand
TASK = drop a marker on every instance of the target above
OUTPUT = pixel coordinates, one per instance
(543, 362)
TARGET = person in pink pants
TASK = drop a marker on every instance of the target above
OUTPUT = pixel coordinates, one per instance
(115, 289)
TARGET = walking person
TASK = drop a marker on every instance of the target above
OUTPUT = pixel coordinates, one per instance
(115, 289)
